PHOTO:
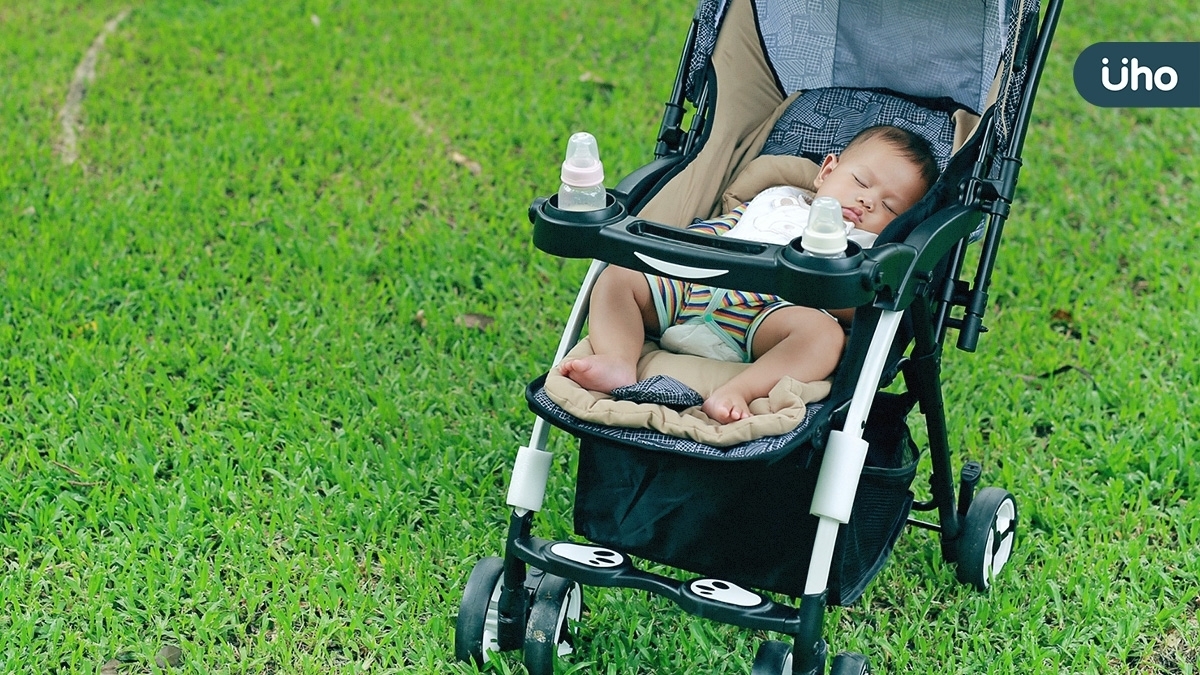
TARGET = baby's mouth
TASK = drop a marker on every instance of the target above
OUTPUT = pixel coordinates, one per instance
(851, 215)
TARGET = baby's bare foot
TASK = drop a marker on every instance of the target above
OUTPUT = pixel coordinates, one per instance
(600, 372)
(726, 407)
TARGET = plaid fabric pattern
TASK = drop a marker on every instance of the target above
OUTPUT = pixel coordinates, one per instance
(709, 14)
(760, 448)
(923, 48)
(822, 121)
(1013, 83)
(660, 389)
(847, 44)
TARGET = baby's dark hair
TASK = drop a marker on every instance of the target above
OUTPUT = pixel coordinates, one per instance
(912, 147)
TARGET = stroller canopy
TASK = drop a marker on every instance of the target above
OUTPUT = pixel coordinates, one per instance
(923, 48)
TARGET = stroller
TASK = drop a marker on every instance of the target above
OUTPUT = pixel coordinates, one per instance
(812, 513)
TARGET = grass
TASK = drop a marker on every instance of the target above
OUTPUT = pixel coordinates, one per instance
(264, 346)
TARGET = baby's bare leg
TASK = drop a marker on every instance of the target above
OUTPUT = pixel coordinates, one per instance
(800, 342)
(621, 310)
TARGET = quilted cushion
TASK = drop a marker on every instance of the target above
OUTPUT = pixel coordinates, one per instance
(822, 121)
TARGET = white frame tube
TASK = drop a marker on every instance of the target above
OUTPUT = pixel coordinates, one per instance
(531, 470)
(844, 455)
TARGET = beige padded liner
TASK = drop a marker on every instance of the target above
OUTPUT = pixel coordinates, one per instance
(748, 102)
(781, 411)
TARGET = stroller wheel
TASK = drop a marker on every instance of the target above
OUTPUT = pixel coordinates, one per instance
(850, 663)
(476, 632)
(773, 658)
(988, 535)
(547, 633)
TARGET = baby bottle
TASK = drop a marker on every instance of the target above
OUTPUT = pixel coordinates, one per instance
(825, 236)
(582, 186)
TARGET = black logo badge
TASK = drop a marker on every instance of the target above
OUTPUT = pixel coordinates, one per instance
(1140, 74)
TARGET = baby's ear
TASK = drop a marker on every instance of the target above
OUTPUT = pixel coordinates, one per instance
(827, 166)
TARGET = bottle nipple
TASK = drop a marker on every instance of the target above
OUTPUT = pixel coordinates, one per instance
(582, 167)
(825, 235)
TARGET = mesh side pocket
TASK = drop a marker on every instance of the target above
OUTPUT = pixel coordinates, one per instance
(880, 512)
(881, 505)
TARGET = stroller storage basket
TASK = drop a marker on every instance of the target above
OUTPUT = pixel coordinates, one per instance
(746, 522)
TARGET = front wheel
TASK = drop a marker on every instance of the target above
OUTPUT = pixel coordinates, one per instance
(476, 632)
(773, 658)
(988, 535)
(556, 603)
(850, 663)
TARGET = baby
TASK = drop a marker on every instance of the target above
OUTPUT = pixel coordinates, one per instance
(882, 173)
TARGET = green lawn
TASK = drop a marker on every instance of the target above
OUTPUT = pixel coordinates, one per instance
(264, 346)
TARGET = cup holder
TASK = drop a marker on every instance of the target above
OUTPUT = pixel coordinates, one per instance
(794, 253)
(612, 212)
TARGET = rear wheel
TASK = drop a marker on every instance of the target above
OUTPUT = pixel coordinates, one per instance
(988, 535)
(476, 632)
(556, 603)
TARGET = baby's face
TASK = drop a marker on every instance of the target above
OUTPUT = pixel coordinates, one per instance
(873, 183)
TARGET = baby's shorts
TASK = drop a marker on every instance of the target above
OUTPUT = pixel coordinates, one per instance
(707, 321)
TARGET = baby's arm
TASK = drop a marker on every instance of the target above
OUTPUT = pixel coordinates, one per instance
(721, 224)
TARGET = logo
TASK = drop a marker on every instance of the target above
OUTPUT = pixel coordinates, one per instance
(1166, 77)
(1140, 74)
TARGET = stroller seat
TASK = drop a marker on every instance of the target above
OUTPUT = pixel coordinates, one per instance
(813, 513)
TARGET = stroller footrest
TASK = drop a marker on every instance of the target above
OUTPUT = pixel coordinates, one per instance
(704, 597)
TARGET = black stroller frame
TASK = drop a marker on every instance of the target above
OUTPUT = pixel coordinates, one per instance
(907, 286)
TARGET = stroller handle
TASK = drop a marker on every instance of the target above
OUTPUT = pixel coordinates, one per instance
(886, 276)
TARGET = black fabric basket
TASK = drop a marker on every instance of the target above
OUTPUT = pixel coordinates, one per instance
(747, 522)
